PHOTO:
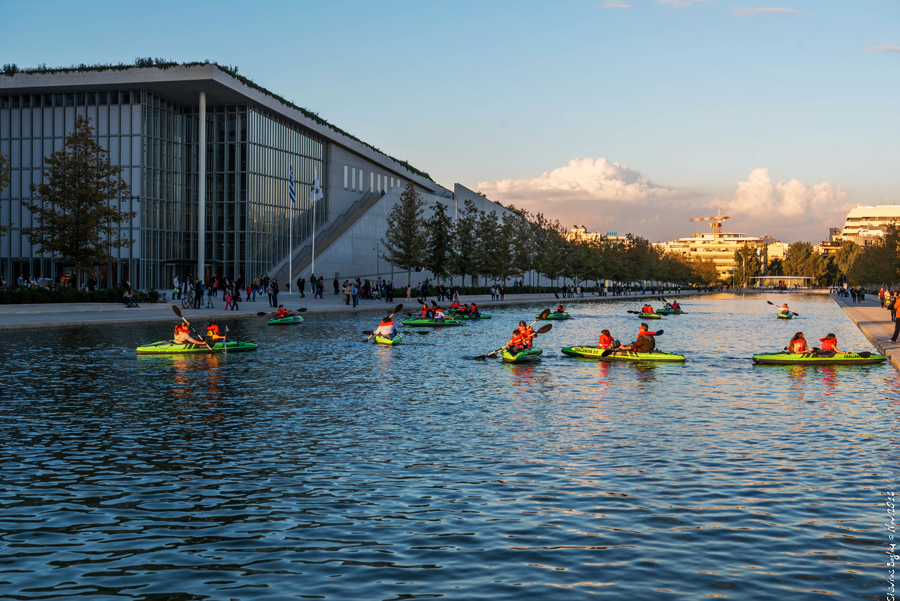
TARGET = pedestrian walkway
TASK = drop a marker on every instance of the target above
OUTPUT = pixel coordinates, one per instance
(52, 315)
(875, 323)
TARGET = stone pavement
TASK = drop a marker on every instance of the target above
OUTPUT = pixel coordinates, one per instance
(874, 322)
(15, 317)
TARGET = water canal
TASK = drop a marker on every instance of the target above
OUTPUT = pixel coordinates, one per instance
(322, 468)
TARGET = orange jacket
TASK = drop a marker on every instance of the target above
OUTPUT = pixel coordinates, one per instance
(828, 344)
(605, 341)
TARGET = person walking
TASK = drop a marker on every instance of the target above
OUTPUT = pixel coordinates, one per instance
(274, 292)
(301, 286)
(354, 293)
(408, 291)
(336, 285)
(198, 294)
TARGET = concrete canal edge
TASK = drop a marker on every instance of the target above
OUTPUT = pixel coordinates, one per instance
(875, 324)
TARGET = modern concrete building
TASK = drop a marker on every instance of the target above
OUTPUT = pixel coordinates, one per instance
(210, 199)
(867, 225)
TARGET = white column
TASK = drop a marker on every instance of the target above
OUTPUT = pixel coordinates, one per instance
(201, 191)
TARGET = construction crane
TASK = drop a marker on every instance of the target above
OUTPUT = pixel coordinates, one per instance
(717, 221)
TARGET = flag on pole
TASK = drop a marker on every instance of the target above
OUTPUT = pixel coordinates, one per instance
(293, 195)
(315, 193)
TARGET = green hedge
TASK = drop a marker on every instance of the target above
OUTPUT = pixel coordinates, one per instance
(29, 296)
(475, 290)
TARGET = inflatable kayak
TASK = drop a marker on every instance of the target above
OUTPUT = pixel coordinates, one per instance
(591, 352)
(557, 316)
(669, 312)
(465, 317)
(819, 358)
(284, 321)
(166, 347)
(532, 354)
(430, 323)
(389, 341)
(784, 316)
(649, 315)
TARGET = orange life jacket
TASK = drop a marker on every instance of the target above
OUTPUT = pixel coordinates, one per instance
(281, 313)
(646, 334)
(828, 344)
(605, 341)
(559, 309)
(797, 346)
(386, 323)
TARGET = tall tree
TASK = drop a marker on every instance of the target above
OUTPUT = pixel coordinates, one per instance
(465, 243)
(71, 211)
(746, 264)
(489, 245)
(440, 253)
(846, 256)
(4, 181)
(406, 237)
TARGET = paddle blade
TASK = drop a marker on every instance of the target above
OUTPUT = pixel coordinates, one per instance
(544, 314)
(556, 295)
(796, 314)
(368, 332)
(177, 310)
(607, 352)
(398, 308)
(261, 314)
(865, 354)
(301, 310)
(635, 312)
(660, 332)
(479, 358)
(545, 329)
(421, 302)
(771, 303)
(434, 304)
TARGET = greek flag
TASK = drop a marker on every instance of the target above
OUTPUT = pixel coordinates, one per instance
(293, 195)
(315, 193)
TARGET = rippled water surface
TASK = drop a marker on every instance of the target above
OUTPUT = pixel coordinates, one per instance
(323, 468)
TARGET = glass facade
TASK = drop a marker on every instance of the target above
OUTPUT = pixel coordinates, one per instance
(248, 157)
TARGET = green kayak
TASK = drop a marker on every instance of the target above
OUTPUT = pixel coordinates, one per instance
(557, 316)
(591, 352)
(284, 321)
(532, 354)
(670, 312)
(166, 347)
(814, 358)
(397, 339)
(649, 315)
(430, 323)
(469, 317)
(784, 316)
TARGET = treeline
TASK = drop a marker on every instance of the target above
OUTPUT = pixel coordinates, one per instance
(878, 264)
(521, 245)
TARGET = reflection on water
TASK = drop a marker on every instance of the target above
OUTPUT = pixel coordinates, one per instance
(325, 468)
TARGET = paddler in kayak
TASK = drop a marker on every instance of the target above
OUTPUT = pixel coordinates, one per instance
(386, 329)
(183, 335)
(647, 308)
(438, 314)
(797, 345)
(560, 310)
(785, 310)
(829, 345)
(426, 312)
(213, 333)
(474, 310)
(606, 340)
(281, 313)
(521, 339)
(645, 342)
(676, 306)
(455, 306)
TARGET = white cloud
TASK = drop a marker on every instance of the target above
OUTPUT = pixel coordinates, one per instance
(582, 179)
(752, 12)
(759, 196)
(616, 5)
(885, 48)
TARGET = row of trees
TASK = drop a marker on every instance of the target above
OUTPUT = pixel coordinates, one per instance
(480, 244)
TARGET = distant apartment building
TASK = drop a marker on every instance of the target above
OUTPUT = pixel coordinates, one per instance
(867, 225)
(718, 246)
(580, 232)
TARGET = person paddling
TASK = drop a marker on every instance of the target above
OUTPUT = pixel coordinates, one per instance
(785, 310)
(606, 340)
(647, 308)
(676, 306)
(797, 345)
(183, 334)
(560, 309)
(439, 314)
(213, 332)
(474, 310)
(282, 312)
(829, 344)
(386, 329)
(645, 342)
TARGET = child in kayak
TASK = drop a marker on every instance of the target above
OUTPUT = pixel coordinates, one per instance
(797, 345)
(829, 344)
(785, 310)
(606, 340)
(213, 332)
(647, 309)
(386, 329)
(282, 312)
(676, 306)
(438, 314)
(474, 311)
(560, 310)
(645, 342)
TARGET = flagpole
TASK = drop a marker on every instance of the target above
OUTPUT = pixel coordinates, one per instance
(315, 193)
(291, 234)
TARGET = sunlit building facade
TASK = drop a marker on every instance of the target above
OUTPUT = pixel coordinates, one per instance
(719, 247)
(149, 119)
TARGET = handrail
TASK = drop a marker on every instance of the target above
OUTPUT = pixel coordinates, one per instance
(306, 250)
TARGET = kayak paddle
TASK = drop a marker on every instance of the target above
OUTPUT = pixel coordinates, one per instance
(543, 330)
(774, 305)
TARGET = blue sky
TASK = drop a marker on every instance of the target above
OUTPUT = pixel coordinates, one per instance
(708, 103)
